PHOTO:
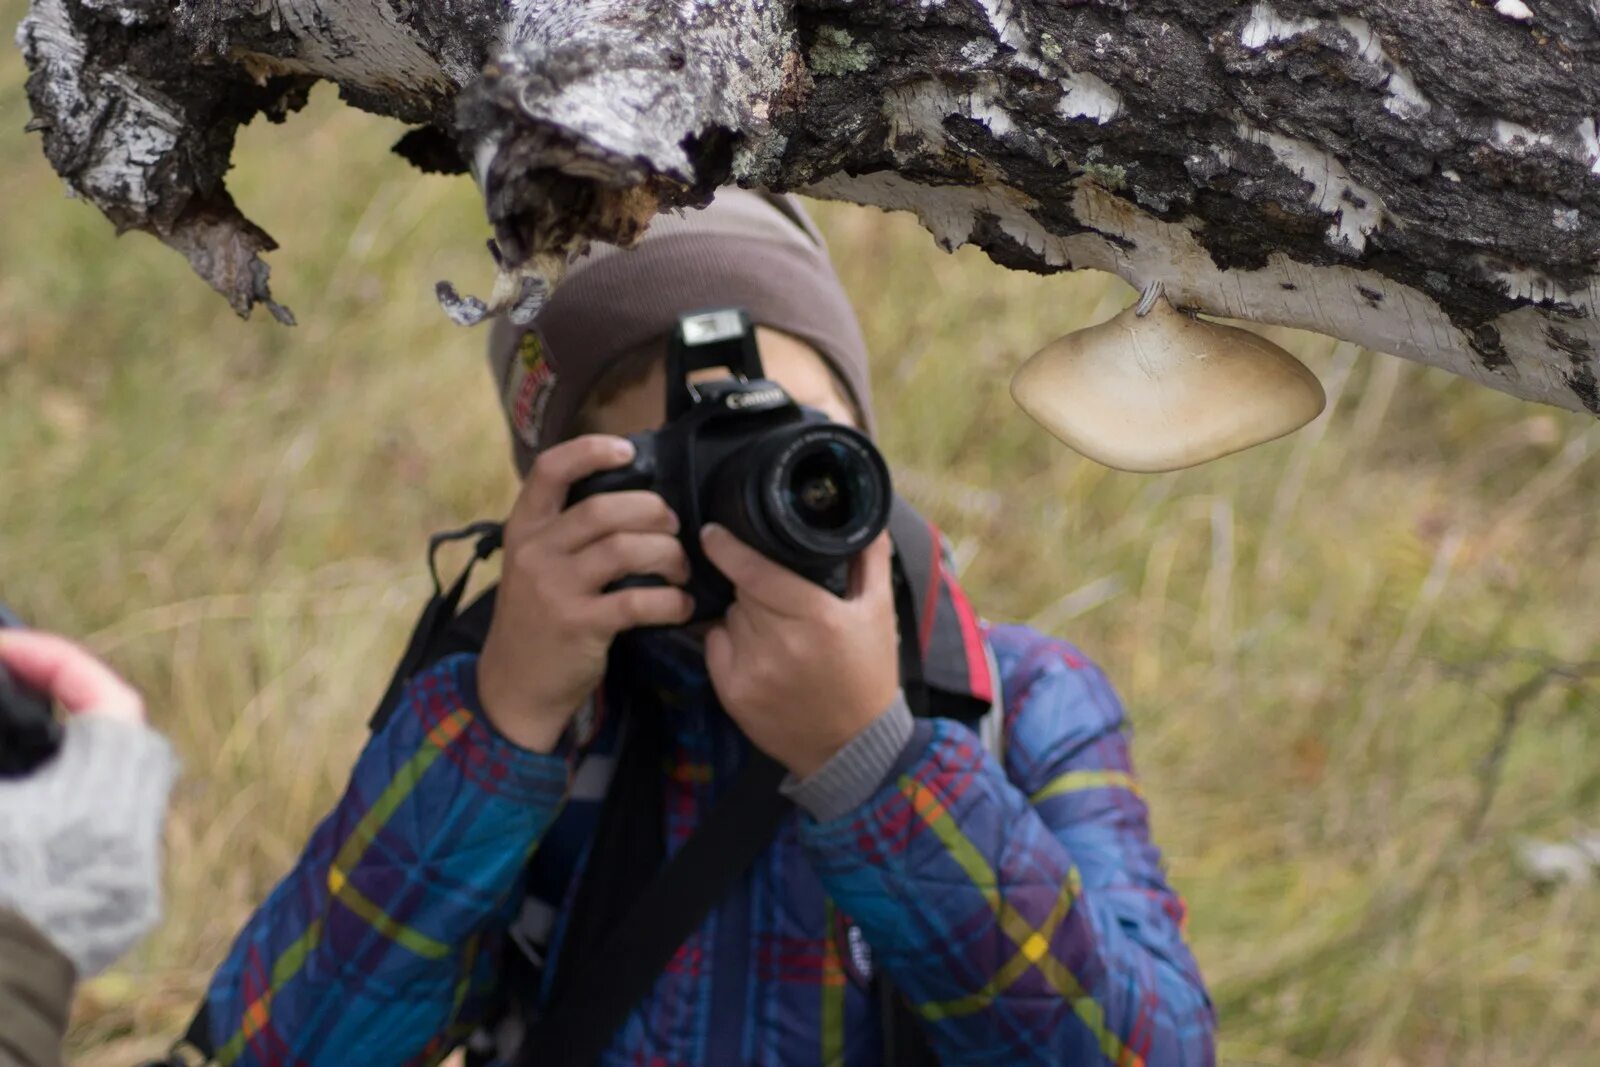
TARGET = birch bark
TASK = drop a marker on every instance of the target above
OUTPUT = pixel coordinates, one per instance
(1422, 178)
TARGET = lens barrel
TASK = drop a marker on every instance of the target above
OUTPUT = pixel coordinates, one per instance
(808, 495)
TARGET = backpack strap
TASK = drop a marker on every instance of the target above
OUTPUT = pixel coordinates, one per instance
(946, 664)
(603, 986)
(439, 620)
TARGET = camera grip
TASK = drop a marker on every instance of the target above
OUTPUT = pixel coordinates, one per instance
(637, 473)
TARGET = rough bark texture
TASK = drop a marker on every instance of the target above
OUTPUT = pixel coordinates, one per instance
(1422, 178)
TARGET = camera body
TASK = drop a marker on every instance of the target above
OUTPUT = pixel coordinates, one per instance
(737, 450)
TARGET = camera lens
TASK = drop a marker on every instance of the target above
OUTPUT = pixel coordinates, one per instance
(821, 487)
(809, 495)
(825, 492)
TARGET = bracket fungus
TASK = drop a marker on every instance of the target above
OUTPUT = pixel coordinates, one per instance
(1155, 389)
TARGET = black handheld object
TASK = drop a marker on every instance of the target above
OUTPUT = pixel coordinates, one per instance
(29, 731)
(796, 486)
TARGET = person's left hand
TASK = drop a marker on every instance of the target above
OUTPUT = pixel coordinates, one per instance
(800, 670)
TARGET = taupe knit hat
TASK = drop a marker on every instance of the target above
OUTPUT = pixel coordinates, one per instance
(758, 251)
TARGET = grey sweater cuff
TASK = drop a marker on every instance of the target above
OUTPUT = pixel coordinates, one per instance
(80, 840)
(857, 770)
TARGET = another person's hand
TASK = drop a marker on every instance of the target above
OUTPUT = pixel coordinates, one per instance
(553, 621)
(801, 670)
(80, 837)
(69, 675)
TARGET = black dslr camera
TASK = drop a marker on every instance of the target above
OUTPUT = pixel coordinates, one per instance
(29, 733)
(736, 450)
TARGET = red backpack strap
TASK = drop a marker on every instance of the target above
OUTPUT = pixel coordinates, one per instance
(955, 666)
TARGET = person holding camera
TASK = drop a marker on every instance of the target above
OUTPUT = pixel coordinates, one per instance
(726, 771)
(80, 840)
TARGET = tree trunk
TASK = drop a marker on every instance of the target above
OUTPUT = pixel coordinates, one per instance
(1420, 178)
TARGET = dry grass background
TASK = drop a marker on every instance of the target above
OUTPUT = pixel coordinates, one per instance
(1317, 640)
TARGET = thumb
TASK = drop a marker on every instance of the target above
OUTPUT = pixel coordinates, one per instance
(69, 675)
(719, 652)
(871, 572)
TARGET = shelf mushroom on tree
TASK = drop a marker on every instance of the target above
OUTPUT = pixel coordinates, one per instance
(1420, 178)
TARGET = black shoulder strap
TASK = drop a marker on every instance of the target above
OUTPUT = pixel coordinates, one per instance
(580, 1024)
(439, 630)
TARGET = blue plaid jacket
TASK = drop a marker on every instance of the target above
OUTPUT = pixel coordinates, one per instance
(1017, 901)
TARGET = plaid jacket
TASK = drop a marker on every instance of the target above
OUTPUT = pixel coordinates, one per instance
(1018, 903)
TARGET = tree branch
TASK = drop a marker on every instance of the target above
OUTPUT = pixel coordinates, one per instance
(1422, 179)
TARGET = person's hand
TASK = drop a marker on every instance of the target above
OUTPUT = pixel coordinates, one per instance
(553, 623)
(80, 836)
(69, 675)
(800, 670)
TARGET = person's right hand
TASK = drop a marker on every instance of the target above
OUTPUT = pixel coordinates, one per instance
(553, 622)
(69, 675)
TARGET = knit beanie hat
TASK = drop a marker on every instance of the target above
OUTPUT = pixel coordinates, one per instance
(755, 250)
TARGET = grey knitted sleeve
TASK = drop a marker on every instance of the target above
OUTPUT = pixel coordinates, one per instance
(857, 770)
(80, 840)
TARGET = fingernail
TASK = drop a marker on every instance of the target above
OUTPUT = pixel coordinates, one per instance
(624, 449)
(711, 529)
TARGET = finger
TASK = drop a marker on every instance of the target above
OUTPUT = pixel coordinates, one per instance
(626, 609)
(626, 553)
(544, 492)
(871, 571)
(69, 675)
(770, 584)
(587, 521)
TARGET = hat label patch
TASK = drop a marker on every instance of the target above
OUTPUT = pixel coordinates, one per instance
(529, 388)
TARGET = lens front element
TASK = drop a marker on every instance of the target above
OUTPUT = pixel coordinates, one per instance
(822, 490)
(827, 492)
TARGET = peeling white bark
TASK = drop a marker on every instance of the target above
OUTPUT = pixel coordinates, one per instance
(1266, 27)
(1405, 99)
(1356, 210)
(1086, 97)
(129, 137)
(1514, 9)
(1589, 144)
(364, 43)
(609, 89)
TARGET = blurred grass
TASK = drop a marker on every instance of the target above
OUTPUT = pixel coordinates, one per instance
(1316, 639)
